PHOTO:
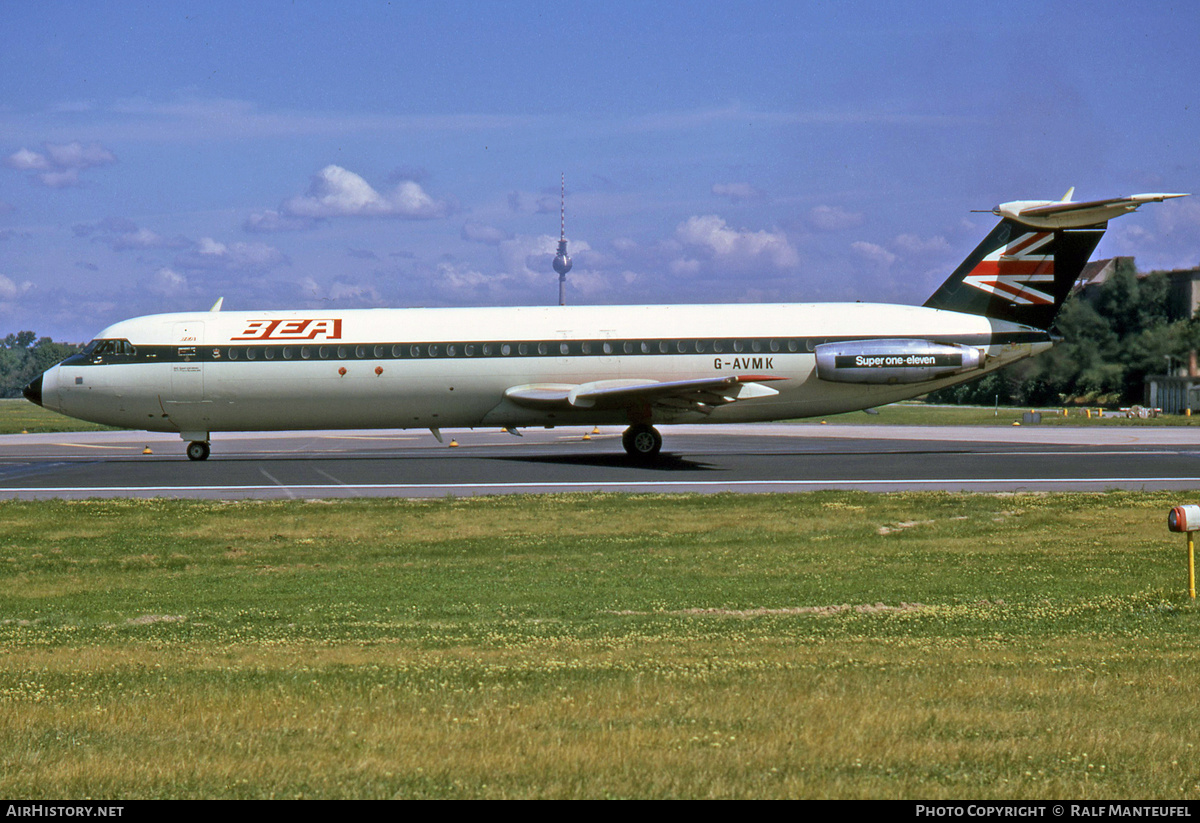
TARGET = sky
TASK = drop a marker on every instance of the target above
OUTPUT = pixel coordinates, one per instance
(157, 156)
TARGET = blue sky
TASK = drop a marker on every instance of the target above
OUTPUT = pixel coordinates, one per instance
(157, 156)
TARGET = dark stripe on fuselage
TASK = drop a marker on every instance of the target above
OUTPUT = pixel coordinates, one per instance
(474, 349)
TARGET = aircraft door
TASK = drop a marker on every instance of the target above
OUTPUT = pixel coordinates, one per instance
(187, 369)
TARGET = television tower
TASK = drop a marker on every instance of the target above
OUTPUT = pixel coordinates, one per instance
(562, 260)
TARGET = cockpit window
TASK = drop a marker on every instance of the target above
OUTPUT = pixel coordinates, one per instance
(101, 348)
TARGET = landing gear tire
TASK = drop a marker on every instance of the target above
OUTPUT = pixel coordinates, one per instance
(198, 450)
(642, 441)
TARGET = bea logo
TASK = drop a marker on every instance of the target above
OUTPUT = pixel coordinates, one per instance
(329, 329)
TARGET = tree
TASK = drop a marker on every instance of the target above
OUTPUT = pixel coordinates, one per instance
(23, 356)
(1113, 336)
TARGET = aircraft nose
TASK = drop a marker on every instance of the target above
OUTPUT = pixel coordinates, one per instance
(33, 392)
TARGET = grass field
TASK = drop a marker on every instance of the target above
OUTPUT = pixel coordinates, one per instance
(921, 414)
(822, 645)
(19, 415)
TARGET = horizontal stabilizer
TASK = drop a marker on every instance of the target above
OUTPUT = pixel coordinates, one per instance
(1056, 214)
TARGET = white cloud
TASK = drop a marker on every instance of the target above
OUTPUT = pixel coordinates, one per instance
(26, 160)
(10, 290)
(211, 255)
(520, 202)
(834, 218)
(58, 164)
(143, 238)
(914, 245)
(479, 233)
(685, 266)
(737, 192)
(1164, 239)
(461, 277)
(874, 253)
(355, 294)
(168, 283)
(729, 245)
(337, 192)
(122, 234)
(266, 222)
(530, 257)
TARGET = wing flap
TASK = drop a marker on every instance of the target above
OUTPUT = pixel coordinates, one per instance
(604, 395)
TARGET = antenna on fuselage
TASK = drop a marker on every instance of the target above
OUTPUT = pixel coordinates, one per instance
(562, 260)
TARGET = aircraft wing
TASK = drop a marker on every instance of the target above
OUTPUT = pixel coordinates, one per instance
(701, 395)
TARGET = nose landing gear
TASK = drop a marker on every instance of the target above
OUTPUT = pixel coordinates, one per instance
(198, 450)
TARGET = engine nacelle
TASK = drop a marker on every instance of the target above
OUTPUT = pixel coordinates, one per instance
(894, 361)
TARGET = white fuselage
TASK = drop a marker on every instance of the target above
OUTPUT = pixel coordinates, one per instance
(203, 372)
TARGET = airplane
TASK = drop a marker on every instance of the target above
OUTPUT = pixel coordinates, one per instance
(634, 366)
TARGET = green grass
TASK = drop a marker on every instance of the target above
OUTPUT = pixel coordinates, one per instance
(920, 414)
(822, 645)
(18, 415)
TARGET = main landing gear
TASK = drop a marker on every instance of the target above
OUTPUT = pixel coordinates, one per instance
(198, 450)
(642, 441)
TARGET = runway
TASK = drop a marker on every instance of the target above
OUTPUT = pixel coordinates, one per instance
(738, 458)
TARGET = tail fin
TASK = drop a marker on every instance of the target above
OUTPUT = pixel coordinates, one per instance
(1018, 273)
(1024, 269)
